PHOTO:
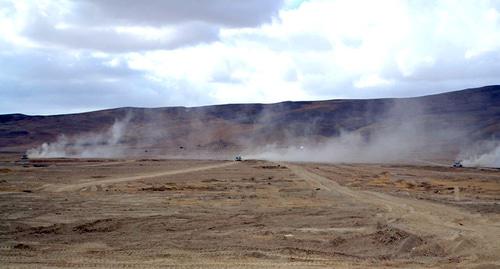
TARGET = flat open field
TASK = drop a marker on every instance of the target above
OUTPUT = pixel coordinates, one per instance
(250, 214)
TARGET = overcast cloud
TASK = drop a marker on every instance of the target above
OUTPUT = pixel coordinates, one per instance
(71, 56)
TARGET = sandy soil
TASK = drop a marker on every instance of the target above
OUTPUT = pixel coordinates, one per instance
(251, 214)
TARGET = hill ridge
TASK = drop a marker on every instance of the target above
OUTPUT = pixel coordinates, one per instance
(469, 116)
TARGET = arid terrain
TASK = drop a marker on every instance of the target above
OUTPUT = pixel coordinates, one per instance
(435, 126)
(250, 134)
(136, 213)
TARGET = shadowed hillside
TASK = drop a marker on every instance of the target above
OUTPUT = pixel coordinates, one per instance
(451, 121)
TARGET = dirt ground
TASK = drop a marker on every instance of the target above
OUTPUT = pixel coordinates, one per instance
(253, 214)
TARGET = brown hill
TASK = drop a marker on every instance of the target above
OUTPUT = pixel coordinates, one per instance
(445, 122)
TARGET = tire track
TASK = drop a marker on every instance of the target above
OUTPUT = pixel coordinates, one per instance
(88, 184)
(450, 224)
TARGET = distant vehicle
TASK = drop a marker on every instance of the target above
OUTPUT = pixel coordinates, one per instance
(24, 159)
(457, 164)
(238, 158)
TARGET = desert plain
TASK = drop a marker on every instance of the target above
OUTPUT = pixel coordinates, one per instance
(165, 213)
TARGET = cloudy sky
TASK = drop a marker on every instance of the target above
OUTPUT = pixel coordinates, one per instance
(62, 56)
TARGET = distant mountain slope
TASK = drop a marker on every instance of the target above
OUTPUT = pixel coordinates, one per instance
(468, 115)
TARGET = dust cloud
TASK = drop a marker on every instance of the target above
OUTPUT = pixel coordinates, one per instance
(401, 134)
(488, 158)
(104, 145)
(394, 144)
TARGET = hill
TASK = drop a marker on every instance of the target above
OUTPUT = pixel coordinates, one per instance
(443, 124)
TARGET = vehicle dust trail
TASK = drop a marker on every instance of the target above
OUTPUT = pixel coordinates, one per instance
(461, 233)
(108, 163)
(81, 185)
(85, 164)
(432, 163)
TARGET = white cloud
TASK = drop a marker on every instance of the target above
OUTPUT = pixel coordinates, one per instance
(409, 61)
(253, 51)
(373, 80)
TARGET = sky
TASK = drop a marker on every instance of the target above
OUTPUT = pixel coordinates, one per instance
(60, 56)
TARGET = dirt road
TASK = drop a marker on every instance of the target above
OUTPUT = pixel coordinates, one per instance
(461, 231)
(251, 214)
(85, 183)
